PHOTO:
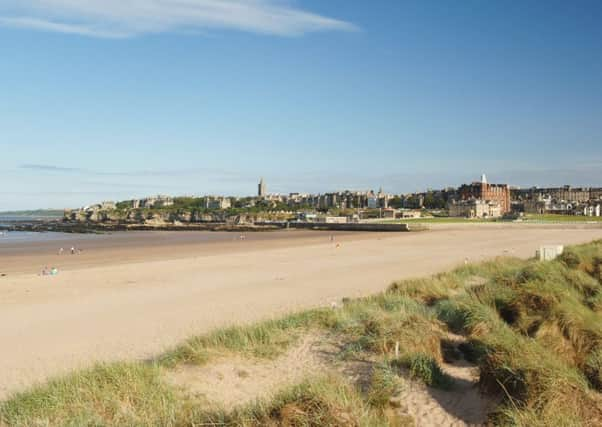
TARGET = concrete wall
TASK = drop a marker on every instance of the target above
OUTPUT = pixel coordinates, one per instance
(342, 227)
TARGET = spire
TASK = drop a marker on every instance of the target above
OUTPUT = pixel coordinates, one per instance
(483, 179)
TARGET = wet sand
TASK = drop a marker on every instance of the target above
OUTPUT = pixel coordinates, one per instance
(133, 298)
(135, 246)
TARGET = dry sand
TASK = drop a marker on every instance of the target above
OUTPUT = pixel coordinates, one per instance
(236, 380)
(135, 300)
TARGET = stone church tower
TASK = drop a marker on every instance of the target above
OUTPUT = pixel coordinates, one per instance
(262, 189)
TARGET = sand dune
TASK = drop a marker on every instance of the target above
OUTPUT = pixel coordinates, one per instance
(108, 308)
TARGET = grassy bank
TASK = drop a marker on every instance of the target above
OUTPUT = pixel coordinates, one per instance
(562, 218)
(533, 329)
(441, 220)
(548, 218)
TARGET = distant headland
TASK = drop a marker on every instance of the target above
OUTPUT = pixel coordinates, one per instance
(479, 200)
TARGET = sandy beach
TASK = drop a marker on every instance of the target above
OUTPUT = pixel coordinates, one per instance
(132, 296)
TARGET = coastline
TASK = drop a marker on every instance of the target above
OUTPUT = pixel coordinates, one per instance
(117, 248)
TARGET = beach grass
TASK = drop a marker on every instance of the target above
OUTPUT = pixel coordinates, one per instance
(533, 328)
(107, 394)
(316, 402)
(266, 339)
(425, 368)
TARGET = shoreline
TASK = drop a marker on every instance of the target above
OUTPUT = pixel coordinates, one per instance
(257, 226)
(100, 227)
(127, 247)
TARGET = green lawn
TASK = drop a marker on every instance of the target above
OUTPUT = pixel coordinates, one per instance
(442, 219)
(561, 218)
(527, 218)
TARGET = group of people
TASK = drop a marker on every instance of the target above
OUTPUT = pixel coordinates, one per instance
(74, 250)
(53, 271)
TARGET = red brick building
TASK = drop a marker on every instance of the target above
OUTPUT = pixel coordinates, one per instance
(499, 193)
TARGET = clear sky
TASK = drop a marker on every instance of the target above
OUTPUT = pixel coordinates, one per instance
(112, 99)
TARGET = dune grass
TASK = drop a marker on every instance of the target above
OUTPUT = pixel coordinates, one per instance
(266, 339)
(533, 328)
(317, 402)
(135, 395)
(424, 367)
(111, 394)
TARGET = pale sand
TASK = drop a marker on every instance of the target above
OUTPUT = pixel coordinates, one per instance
(131, 309)
(236, 380)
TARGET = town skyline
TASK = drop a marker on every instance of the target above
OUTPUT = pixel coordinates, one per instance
(480, 189)
(270, 191)
(480, 199)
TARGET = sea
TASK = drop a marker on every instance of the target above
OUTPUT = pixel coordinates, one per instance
(6, 219)
(27, 236)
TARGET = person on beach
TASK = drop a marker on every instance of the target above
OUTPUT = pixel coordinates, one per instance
(61, 250)
(72, 250)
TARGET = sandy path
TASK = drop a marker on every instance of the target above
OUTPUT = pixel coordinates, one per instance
(49, 325)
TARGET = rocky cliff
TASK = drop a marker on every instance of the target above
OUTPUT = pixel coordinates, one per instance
(132, 218)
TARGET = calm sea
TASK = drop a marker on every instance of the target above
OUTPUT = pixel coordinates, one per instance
(28, 236)
(6, 219)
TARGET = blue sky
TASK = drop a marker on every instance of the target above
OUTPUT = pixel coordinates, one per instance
(112, 99)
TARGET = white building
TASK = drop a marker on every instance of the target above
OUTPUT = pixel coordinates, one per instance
(218, 203)
(591, 210)
(475, 208)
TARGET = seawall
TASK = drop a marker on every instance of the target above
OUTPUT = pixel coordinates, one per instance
(352, 226)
